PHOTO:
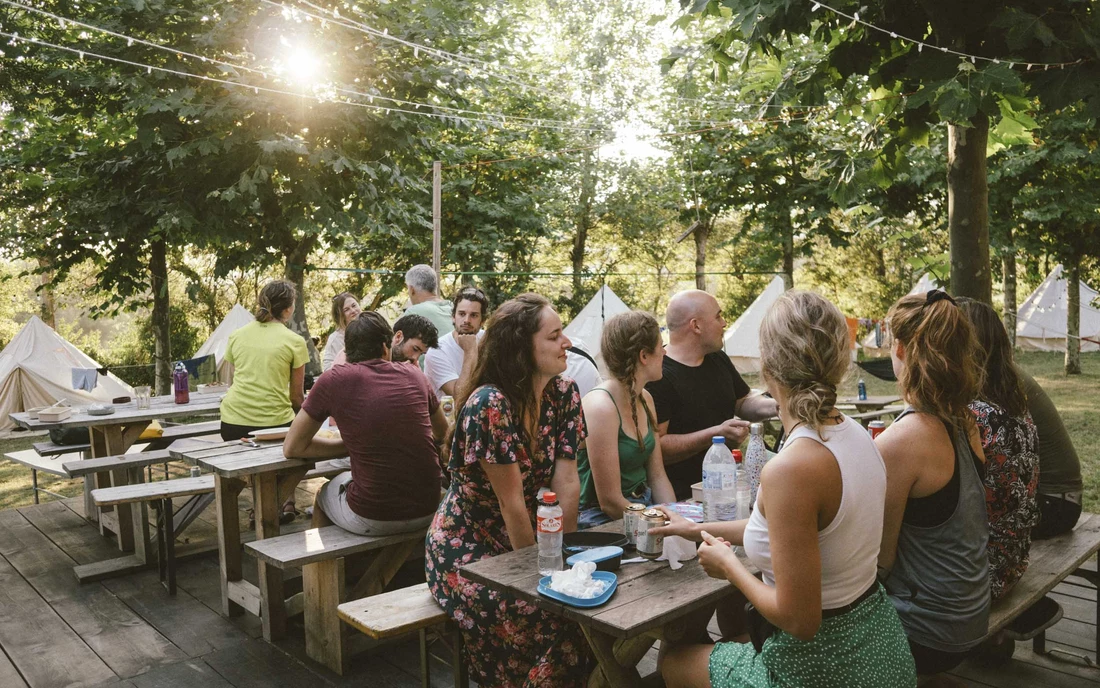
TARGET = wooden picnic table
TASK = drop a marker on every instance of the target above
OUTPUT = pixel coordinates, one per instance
(652, 603)
(112, 435)
(871, 403)
(273, 478)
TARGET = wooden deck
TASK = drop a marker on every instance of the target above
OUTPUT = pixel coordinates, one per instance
(127, 632)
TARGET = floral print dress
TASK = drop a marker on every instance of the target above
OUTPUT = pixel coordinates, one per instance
(508, 643)
(1011, 446)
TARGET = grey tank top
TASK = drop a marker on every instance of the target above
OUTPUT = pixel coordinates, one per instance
(940, 580)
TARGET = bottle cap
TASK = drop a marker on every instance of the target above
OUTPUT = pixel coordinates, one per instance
(756, 429)
(737, 455)
(550, 498)
(717, 439)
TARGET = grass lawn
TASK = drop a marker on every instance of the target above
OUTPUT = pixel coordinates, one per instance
(1077, 398)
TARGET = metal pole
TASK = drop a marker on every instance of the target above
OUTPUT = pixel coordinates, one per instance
(437, 215)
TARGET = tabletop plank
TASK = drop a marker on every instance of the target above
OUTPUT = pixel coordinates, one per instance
(127, 414)
(649, 594)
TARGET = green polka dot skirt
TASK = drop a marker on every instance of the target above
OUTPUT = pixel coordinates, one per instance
(864, 648)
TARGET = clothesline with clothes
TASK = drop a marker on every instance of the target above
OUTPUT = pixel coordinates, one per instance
(202, 369)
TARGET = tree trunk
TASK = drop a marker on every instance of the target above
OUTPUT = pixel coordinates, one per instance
(968, 209)
(1073, 317)
(162, 329)
(295, 271)
(1008, 268)
(47, 306)
(582, 222)
(788, 254)
(702, 232)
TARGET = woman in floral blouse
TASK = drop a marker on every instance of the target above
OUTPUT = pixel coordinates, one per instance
(1011, 446)
(518, 431)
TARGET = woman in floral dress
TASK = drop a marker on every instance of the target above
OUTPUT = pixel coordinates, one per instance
(505, 447)
(1011, 445)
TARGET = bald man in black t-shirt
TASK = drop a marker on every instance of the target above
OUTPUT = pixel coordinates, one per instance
(701, 394)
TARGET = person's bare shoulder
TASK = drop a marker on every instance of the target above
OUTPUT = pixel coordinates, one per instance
(911, 439)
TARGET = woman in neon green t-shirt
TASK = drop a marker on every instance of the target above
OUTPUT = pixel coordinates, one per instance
(268, 362)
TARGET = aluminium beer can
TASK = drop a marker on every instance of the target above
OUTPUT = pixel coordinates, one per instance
(630, 522)
(648, 545)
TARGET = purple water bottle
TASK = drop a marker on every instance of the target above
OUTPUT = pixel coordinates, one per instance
(180, 384)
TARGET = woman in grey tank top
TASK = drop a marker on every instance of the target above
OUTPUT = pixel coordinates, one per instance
(935, 530)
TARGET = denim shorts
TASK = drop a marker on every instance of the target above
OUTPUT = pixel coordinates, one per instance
(592, 516)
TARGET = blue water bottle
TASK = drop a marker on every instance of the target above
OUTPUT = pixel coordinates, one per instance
(862, 387)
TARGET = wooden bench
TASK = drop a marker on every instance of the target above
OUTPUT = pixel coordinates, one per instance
(393, 614)
(54, 465)
(1052, 561)
(321, 553)
(160, 494)
(51, 449)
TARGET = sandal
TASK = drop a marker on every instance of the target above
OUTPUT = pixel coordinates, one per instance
(288, 514)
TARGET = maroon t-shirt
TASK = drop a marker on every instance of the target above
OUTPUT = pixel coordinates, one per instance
(383, 410)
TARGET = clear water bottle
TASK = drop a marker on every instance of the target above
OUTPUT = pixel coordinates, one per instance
(756, 454)
(719, 482)
(549, 533)
(861, 390)
(744, 493)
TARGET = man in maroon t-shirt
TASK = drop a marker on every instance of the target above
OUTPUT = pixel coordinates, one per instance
(389, 422)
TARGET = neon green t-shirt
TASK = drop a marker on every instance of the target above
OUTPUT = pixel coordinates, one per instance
(263, 355)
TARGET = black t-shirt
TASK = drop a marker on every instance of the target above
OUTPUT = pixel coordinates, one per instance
(693, 398)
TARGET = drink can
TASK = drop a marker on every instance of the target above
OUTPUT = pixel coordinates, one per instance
(862, 390)
(630, 522)
(650, 546)
(196, 472)
(876, 427)
(448, 404)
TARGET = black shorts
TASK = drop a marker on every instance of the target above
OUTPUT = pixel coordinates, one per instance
(931, 661)
(235, 432)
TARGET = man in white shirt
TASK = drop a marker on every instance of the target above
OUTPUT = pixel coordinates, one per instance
(453, 362)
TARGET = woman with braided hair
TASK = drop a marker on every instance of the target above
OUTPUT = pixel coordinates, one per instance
(622, 461)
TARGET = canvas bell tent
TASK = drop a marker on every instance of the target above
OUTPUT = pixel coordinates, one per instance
(1041, 323)
(742, 338)
(36, 370)
(586, 329)
(237, 318)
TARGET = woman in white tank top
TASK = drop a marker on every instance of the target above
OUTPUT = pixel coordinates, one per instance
(814, 532)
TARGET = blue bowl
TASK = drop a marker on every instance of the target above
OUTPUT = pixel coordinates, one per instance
(612, 584)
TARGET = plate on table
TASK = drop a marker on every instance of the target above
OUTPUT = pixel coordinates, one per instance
(584, 603)
(269, 434)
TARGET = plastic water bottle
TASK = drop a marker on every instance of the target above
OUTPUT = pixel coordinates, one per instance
(861, 388)
(719, 482)
(549, 534)
(756, 454)
(744, 492)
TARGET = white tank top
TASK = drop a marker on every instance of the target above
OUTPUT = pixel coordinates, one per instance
(850, 544)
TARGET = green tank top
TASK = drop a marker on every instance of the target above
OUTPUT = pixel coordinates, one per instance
(632, 462)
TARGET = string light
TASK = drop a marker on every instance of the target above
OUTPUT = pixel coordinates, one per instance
(560, 125)
(920, 44)
(256, 89)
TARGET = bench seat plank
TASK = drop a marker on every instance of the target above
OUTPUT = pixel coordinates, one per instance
(320, 544)
(84, 467)
(1052, 561)
(147, 492)
(394, 613)
(54, 465)
(51, 449)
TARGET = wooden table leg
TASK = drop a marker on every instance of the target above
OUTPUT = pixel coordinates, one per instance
(612, 671)
(226, 493)
(265, 495)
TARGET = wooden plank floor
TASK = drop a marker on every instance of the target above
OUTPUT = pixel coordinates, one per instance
(128, 633)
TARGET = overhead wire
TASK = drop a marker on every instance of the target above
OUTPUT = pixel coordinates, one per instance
(498, 119)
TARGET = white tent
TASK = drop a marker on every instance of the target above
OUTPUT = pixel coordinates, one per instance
(742, 339)
(36, 370)
(586, 329)
(237, 318)
(926, 283)
(1041, 323)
